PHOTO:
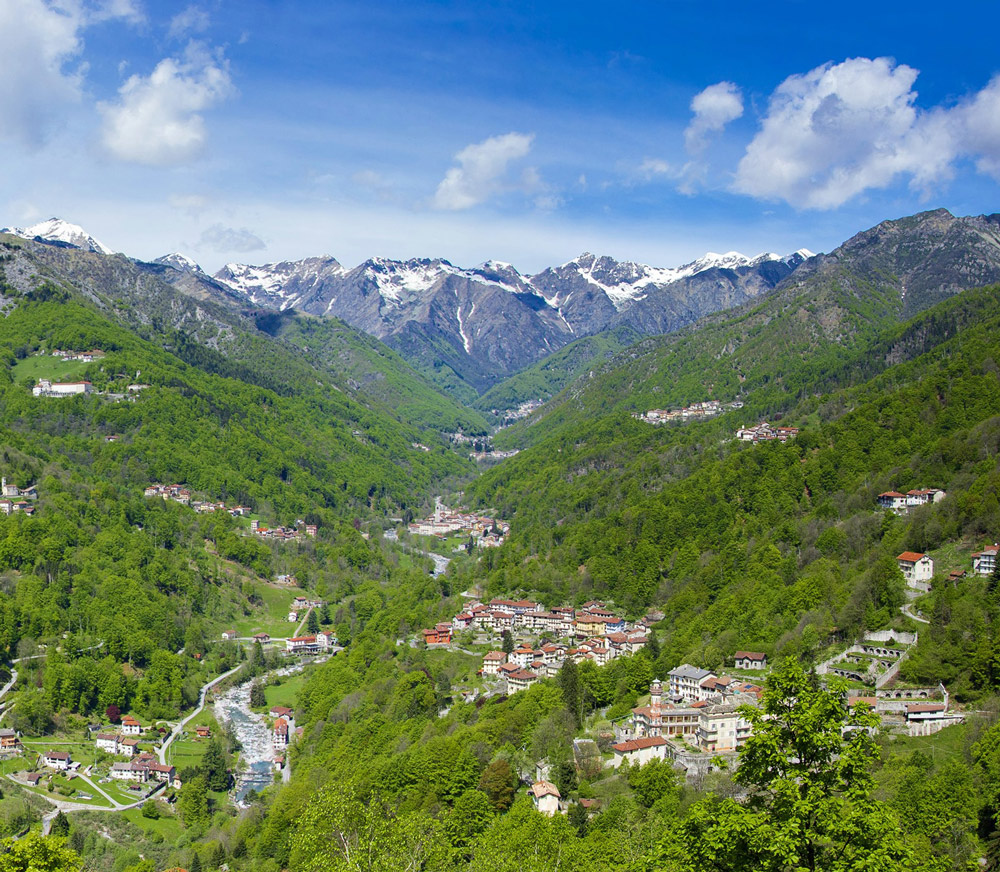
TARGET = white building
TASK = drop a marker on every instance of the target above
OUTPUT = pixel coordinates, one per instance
(545, 795)
(685, 682)
(916, 567)
(985, 561)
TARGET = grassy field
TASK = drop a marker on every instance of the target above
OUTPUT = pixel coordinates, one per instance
(166, 825)
(188, 749)
(272, 617)
(46, 366)
(287, 692)
(950, 742)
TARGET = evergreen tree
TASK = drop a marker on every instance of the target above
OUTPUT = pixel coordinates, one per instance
(312, 623)
(60, 825)
(257, 695)
(213, 766)
(507, 642)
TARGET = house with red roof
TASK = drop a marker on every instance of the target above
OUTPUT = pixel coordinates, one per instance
(917, 567)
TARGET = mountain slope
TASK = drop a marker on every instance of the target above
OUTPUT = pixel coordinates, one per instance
(208, 324)
(769, 351)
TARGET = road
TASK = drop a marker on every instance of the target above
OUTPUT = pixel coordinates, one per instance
(161, 752)
(907, 609)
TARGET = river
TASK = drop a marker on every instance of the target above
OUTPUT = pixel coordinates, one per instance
(440, 561)
(253, 733)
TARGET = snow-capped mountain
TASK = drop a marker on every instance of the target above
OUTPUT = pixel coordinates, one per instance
(180, 262)
(59, 231)
(490, 320)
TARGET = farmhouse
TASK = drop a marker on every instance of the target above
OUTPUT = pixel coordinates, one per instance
(57, 760)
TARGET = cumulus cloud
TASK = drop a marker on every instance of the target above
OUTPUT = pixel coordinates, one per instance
(156, 119)
(979, 123)
(841, 129)
(481, 170)
(39, 43)
(713, 109)
(192, 20)
(229, 239)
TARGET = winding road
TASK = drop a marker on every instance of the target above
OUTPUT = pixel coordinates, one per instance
(161, 752)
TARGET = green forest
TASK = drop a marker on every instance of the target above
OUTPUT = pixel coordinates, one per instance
(115, 603)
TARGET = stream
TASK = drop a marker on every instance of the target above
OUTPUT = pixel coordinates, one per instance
(251, 729)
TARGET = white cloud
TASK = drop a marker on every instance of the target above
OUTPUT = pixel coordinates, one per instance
(229, 239)
(191, 20)
(480, 171)
(156, 119)
(653, 167)
(713, 109)
(841, 129)
(129, 10)
(979, 121)
(38, 41)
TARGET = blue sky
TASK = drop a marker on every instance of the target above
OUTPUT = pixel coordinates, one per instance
(259, 130)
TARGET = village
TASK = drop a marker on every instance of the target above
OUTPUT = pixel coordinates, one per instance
(704, 409)
(694, 718)
(488, 532)
(179, 494)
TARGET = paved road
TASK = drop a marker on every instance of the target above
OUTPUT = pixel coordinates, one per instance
(161, 752)
(907, 609)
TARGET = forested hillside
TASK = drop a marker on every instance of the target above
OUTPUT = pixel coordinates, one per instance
(773, 545)
(404, 757)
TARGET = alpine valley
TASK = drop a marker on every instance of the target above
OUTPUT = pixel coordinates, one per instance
(415, 566)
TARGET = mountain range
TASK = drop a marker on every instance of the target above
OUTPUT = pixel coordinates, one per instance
(470, 329)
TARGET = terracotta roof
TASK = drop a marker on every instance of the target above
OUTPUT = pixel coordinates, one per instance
(925, 708)
(892, 494)
(639, 744)
(544, 788)
(750, 655)
(910, 556)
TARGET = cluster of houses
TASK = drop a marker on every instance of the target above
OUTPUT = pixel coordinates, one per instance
(301, 604)
(180, 494)
(488, 532)
(144, 768)
(593, 619)
(764, 432)
(492, 454)
(300, 529)
(509, 416)
(84, 356)
(123, 743)
(14, 499)
(705, 409)
(526, 665)
(699, 719)
(900, 503)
